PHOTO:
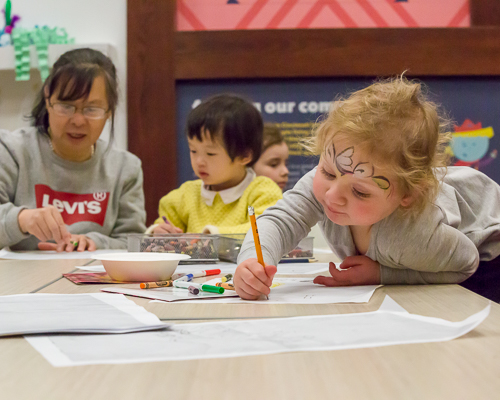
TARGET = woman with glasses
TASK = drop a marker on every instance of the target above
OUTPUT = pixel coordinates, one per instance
(61, 187)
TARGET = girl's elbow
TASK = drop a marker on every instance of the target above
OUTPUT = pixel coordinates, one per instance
(472, 266)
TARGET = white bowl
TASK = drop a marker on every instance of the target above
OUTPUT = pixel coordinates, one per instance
(140, 267)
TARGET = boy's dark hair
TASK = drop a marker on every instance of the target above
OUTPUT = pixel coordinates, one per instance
(73, 75)
(234, 120)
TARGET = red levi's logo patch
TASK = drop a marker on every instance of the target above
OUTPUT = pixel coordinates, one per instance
(74, 207)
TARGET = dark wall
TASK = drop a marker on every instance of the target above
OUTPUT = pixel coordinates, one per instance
(292, 104)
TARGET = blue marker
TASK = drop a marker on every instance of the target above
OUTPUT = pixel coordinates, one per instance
(185, 278)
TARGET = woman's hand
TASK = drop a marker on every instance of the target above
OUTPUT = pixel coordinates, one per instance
(356, 271)
(46, 224)
(77, 243)
(251, 280)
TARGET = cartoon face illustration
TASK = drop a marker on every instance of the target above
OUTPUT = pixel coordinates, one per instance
(470, 148)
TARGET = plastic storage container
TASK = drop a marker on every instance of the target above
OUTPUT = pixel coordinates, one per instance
(230, 244)
(201, 247)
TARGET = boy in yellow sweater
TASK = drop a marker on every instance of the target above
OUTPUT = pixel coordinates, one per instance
(225, 139)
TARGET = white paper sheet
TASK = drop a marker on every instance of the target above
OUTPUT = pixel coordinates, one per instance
(304, 291)
(169, 294)
(52, 255)
(49, 313)
(302, 268)
(254, 337)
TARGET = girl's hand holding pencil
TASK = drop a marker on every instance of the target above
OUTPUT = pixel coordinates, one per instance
(251, 280)
(253, 277)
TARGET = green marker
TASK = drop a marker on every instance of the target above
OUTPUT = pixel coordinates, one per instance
(213, 289)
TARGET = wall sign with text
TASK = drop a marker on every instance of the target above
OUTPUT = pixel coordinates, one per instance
(295, 105)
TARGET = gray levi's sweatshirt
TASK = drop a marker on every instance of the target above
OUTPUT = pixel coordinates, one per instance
(443, 245)
(101, 198)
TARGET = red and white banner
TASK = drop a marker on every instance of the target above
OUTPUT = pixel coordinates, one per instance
(74, 207)
(193, 15)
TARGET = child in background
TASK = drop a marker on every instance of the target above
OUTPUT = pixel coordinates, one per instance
(384, 201)
(225, 139)
(273, 160)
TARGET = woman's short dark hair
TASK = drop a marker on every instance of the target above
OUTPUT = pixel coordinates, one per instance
(73, 75)
(272, 135)
(231, 118)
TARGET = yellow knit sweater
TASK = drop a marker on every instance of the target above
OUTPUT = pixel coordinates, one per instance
(186, 208)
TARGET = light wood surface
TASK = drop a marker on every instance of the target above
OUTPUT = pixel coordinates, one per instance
(17, 277)
(464, 368)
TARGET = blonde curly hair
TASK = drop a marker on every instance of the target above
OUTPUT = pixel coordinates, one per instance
(394, 122)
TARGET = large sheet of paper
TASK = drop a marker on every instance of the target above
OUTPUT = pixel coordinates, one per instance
(387, 326)
(283, 291)
(50, 313)
(52, 255)
(304, 291)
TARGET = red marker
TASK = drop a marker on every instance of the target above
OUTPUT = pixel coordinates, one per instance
(190, 277)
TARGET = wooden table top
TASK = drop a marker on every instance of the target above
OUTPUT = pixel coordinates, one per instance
(464, 368)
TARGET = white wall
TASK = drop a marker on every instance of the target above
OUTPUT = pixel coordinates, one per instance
(88, 21)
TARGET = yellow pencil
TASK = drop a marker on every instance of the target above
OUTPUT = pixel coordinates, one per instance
(256, 239)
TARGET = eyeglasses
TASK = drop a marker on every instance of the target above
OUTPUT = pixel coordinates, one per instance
(67, 110)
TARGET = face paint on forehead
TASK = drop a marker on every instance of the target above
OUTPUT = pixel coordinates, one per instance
(344, 163)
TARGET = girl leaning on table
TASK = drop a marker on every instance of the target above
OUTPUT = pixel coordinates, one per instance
(385, 202)
(61, 187)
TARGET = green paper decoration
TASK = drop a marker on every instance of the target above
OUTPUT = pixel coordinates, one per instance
(41, 38)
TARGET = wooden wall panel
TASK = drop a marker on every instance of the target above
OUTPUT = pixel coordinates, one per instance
(485, 12)
(151, 96)
(337, 52)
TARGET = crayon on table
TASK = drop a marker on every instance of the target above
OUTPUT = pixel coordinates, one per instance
(226, 278)
(152, 285)
(227, 286)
